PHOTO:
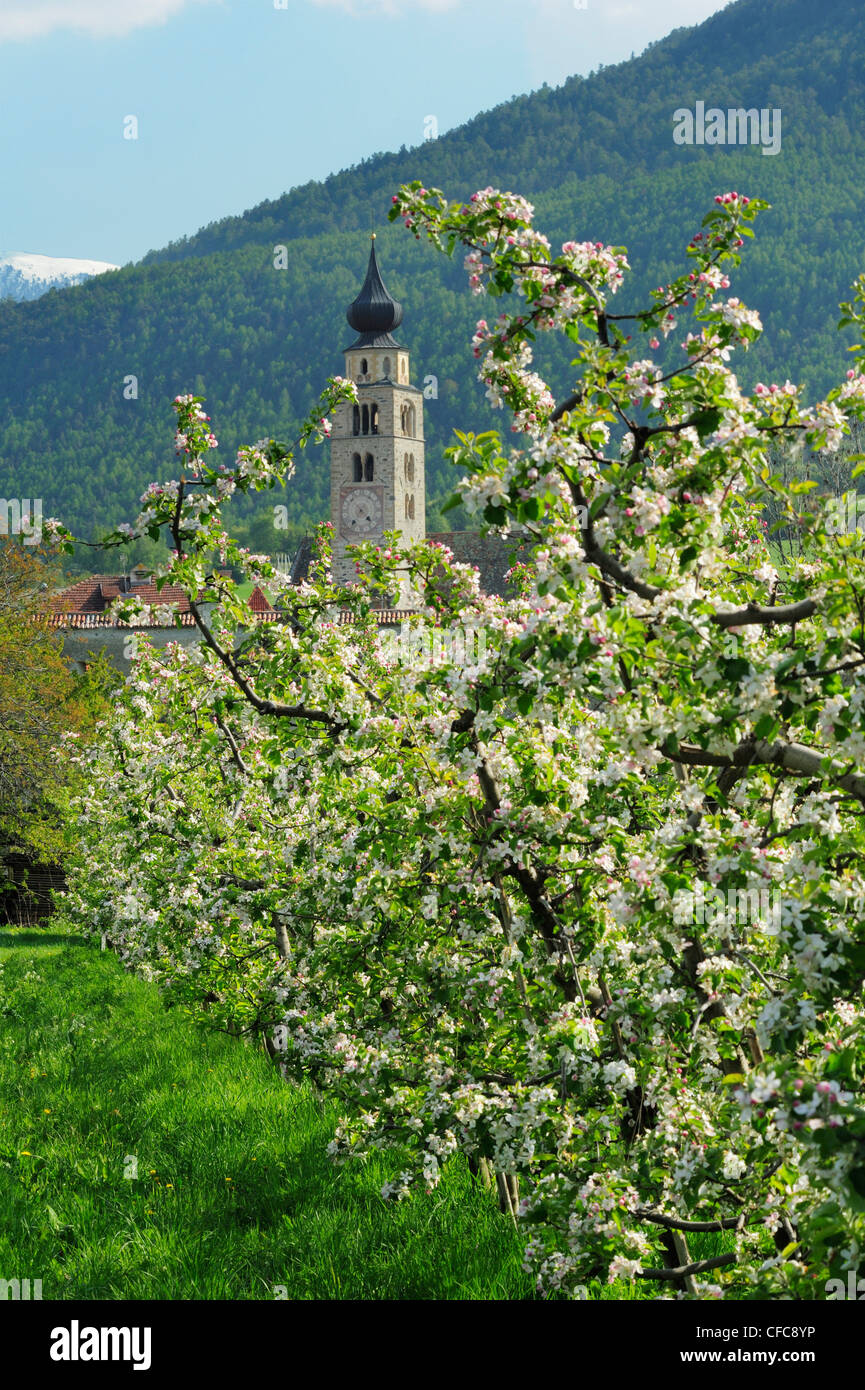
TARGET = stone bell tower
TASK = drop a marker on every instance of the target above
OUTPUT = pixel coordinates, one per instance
(376, 447)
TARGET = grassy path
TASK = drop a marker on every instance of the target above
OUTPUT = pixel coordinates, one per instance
(142, 1158)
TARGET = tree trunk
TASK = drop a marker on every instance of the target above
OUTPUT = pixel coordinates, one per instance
(677, 1254)
(508, 1185)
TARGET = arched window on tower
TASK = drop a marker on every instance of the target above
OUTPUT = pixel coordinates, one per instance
(408, 421)
(358, 468)
(364, 419)
(409, 507)
(364, 366)
(369, 468)
(355, 420)
(373, 418)
(386, 367)
(409, 468)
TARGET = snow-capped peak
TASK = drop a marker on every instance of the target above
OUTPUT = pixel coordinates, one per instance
(25, 275)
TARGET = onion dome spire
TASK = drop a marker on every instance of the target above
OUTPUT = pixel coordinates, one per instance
(375, 313)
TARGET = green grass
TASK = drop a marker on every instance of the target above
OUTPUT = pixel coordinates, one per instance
(234, 1194)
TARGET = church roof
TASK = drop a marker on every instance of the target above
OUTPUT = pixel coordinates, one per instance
(374, 313)
(491, 556)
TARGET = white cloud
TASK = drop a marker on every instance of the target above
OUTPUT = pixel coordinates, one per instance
(32, 19)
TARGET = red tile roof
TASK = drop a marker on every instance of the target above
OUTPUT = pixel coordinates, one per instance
(84, 596)
(85, 604)
(94, 595)
(258, 602)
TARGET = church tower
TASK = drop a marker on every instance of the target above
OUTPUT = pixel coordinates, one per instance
(376, 446)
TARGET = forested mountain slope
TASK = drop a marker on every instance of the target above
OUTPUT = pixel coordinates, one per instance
(212, 313)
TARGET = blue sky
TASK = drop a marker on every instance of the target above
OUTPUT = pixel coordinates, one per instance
(239, 100)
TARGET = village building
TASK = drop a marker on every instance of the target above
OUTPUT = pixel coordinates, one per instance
(377, 484)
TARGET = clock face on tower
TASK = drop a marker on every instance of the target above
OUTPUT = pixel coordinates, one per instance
(360, 513)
